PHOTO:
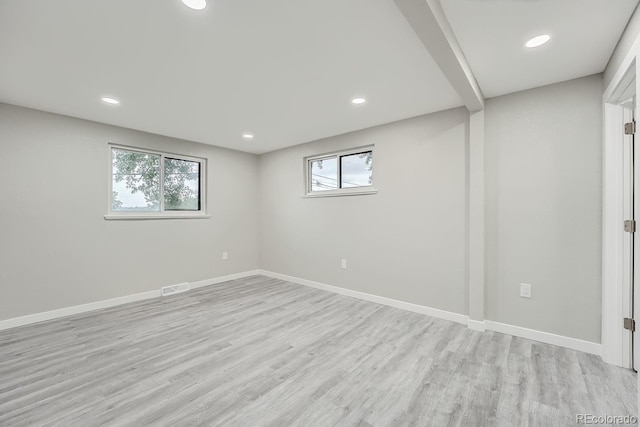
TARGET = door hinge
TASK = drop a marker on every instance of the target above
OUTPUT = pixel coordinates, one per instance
(630, 226)
(630, 324)
(630, 128)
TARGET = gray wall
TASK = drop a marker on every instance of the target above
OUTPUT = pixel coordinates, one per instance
(543, 205)
(407, 242)
(57, 250)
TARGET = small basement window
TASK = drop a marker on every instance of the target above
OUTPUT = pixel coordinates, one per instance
(342, 173)
(148, 184)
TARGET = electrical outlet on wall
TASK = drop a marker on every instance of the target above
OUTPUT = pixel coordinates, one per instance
(344, 264)
(225, 255)
(525, 290)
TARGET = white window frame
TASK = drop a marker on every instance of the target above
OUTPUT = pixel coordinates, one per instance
(162, 214)
(351, 191)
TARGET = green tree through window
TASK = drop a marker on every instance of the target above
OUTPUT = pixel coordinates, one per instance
(137, 186)
(181, 185)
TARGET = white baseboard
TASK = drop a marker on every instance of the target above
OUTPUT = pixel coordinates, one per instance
(76, 309)
(433, 312)
(97, 305)
(545, 337)
(226, 278)
(477, 325)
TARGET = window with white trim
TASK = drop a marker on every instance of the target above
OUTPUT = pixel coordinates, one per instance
(153, 184)
(340, 173)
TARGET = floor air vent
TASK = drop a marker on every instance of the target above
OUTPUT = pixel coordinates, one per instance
(175, 289)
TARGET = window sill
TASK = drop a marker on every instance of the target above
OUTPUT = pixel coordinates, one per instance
(159, 216)
(339, 193)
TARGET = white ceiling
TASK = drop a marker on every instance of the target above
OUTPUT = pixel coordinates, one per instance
(492, 34)
(283, 70)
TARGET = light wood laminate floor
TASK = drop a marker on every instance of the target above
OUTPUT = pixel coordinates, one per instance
(260, 351)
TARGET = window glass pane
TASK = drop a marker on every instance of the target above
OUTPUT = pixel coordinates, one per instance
(181, 185)
(136, 181)
(357, 170)
(324, 174)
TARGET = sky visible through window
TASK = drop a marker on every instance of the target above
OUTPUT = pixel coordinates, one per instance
(324, 174)
(129, 199)
(356, 172)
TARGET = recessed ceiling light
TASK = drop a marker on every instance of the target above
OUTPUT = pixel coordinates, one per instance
(538, 40)
(195, 4)
(358, 101)
(110, 100)
(247, 135)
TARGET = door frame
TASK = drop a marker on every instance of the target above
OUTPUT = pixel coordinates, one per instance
(616, 244)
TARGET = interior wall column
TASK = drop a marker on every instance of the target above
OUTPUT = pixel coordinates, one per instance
(476, 221)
